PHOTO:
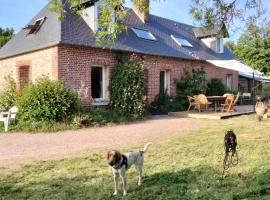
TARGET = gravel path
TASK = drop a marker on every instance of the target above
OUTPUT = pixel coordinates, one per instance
(20, 148)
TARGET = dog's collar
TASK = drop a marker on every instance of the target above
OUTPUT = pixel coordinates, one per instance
(124, 162)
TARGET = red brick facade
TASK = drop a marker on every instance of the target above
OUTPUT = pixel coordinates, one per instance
(74, 69)
(72, 65)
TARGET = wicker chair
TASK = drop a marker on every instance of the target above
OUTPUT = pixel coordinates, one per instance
(201, 101)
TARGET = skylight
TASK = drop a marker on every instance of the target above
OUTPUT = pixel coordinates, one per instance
(144, 34)
(181, 42)
(34, 28)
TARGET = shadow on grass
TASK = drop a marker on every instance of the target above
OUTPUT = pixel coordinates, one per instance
(189, 183)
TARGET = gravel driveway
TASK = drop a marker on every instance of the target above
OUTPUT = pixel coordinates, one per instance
(21, 148)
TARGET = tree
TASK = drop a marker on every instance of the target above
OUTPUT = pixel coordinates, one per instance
(253, 47)
(206, 12)
(5, 35)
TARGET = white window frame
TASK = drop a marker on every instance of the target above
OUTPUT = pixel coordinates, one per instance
(152, 37)
(181, 45)
(229, 81)
(105, 84)
(167, 81)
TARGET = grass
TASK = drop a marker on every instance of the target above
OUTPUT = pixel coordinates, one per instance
(188, 167)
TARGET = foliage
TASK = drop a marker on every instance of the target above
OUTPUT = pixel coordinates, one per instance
(5, 35)
(47, 100)
(127, 89)
(9, 94)
(163, 104)
(192, 84)
(212, 12)
(215, 87)
(188, 167)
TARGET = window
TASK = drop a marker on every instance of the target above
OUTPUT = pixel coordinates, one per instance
(164, 81)
(34, 28)
(181, 42)
(99, 83)
(229, 81)
(217, 45)
(144, 34)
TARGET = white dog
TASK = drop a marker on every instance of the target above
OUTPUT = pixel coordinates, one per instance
(121, 163)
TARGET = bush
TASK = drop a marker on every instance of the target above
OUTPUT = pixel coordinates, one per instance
(163, 104)
(9, 95)
(215, 87)
(127, 89)
(192, 84)
(47, 101)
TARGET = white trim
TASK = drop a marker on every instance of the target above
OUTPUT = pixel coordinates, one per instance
(105, 85)
(181, 45)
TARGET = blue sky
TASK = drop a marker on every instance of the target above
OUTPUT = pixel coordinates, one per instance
(18, 13)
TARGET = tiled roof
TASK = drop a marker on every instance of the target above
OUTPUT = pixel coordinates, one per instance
(73, 30)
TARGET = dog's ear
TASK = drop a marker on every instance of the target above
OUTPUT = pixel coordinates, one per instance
(117, 156)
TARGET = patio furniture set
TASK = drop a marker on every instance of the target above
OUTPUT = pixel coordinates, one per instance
(225, 103)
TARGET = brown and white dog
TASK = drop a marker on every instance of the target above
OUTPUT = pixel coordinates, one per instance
(121, 163)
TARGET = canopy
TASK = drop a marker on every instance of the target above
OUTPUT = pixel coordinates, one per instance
(243, 69)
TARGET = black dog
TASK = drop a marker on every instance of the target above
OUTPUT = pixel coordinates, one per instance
(230, 145)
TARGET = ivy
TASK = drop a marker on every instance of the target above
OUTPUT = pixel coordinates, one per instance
(127, 89)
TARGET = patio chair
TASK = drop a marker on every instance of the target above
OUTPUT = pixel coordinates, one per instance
(8, 117)
(227, 106)
(246, 97)
(191, 101)
(201, 101)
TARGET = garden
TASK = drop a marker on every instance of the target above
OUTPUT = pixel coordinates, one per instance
(47, 106)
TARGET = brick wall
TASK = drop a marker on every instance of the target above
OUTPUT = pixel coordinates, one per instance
(42, 62)
(73, 66)
(75, 69)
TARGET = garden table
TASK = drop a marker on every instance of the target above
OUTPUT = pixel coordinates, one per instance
(216, 100)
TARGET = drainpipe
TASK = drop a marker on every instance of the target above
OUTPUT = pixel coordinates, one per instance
(254, 89)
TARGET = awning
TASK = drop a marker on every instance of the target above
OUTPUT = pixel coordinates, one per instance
(243, 69)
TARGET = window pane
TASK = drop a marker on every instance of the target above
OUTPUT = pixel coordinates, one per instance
(162, 82)
(144, 34)
(181, 41)
(229, 81)
(96, 82)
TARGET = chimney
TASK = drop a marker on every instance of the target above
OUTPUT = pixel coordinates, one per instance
(141, 8)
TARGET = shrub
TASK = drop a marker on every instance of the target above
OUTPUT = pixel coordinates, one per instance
(192, 84)
(215, 87)
(9, 94)
(127, 89)
(163, 104)
(46, 101)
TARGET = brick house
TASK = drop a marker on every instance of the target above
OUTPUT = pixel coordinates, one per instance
(66, 50)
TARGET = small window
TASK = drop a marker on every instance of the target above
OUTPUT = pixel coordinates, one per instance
(229, 81)
(164, 82)
(181, 42)
(99, 83)
(34, 28)
(144, 34)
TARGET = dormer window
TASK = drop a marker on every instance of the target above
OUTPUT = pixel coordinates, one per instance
(217, 45)
(181, 42)
(144, 34)
(34, 28)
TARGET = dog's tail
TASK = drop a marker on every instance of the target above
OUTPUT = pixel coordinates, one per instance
(146, 146)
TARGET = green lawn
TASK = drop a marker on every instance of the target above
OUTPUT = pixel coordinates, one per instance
(188, 167)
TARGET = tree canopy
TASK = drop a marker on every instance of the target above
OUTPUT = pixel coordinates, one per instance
(253, 47)
(5, 35)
